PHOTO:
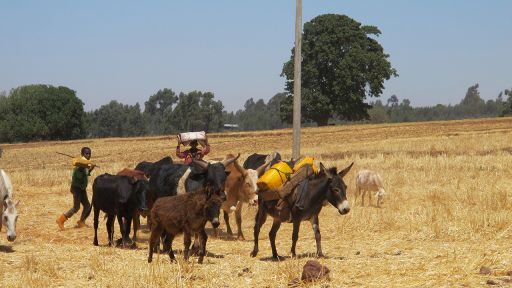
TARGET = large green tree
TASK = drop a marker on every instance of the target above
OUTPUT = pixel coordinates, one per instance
(115, 120)
(342, 65)
(196, 111)
(159, 107)
(41, 112)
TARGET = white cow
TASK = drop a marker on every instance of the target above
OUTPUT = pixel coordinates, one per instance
(369, 181)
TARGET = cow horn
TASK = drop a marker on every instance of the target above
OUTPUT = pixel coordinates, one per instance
(226, 162)
(262, 168)
(240, 168)
(201, 164)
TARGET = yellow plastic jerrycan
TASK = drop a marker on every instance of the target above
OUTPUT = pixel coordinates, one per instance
(306, 160)
(275, 176)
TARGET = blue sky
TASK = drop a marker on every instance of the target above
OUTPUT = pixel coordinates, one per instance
(128, 50)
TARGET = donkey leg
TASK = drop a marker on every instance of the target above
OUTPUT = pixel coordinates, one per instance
(203, 237)
(261, 217)
(295, 236)
(316, 229)
(272, 236)
(156, 231)
(187, 240)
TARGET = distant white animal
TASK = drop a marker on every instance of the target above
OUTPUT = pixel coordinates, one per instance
(369, 181)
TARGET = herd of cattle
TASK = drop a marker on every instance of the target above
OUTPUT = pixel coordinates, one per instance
(183, 198)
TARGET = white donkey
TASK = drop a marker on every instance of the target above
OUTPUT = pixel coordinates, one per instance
(9, 213)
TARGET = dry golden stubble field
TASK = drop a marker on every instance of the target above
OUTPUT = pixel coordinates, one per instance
(448, 212)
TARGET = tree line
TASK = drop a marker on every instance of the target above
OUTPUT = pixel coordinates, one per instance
(45, 112)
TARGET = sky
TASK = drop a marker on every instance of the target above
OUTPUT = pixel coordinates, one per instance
(128, 50)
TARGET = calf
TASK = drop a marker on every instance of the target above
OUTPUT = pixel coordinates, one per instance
(116, 196)
(185, 213)
(368, 180)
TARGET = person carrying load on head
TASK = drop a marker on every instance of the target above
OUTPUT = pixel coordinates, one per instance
(194, 152)
(79, 179)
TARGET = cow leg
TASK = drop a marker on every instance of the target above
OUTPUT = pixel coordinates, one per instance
(228, 227)
(238, 217)
(156, 231)
(295, 236)
(187, 240)
(136, 224)
(202, 242)
(121, 223)
(127, 228)
(96, 222)
(261, 217)
(110, 229)
(316, 229)
(272, 236)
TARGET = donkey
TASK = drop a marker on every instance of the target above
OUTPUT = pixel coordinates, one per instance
(9, 218)
(9, 213)
(328, 186)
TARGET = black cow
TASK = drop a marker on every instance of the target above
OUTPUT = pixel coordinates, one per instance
(149, 167)
(256, 160)
(116, 196)
(327, 186)
(166, 180)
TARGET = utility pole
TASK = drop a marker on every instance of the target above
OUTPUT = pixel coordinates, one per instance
(297, 81)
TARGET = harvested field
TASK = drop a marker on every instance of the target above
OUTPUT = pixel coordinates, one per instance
(447, 213)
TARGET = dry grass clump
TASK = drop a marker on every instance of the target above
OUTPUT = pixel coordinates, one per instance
(447, 212)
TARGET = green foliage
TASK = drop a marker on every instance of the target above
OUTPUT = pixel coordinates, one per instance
(341, 66)
(260, 116)
(471, 106)
(159, 107)
(115, 120)
(41, 112)
(196, 111)
(507, 106)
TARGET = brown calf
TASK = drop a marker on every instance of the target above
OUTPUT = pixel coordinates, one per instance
(186, 213)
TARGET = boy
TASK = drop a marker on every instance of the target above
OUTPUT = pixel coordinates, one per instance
(79, 181)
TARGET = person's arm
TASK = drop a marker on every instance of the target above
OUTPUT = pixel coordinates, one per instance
(206, 149)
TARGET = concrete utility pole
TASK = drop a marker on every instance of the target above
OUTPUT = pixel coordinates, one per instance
(297, 81)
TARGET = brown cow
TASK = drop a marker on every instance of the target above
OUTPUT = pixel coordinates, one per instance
(186, 213)
(136, 175)
(240, 187)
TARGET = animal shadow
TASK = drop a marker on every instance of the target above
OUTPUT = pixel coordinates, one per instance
(272, 259)
(310, 255)
(6, 249)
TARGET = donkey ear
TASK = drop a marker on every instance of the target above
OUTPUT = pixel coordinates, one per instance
(322, 168)
(345, 171)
